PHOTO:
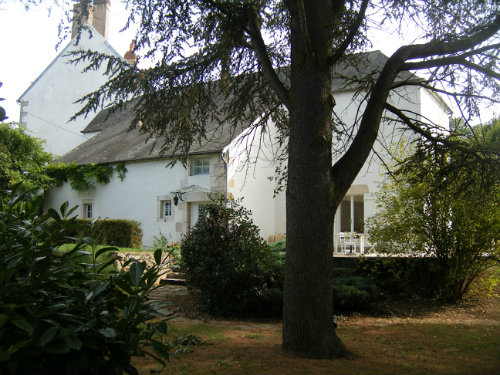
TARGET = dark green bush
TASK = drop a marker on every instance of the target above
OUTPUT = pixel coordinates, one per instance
(112, 232)
(59, 314)
(353, 293)
(404, 277)
(228, 265)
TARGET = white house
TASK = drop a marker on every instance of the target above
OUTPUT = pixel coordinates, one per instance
(49, 102)
(166, 200)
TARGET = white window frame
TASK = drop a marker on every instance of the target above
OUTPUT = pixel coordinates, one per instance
(160, 208)
(348, 203)
(88, 207)
(166, 208)
(199, 166)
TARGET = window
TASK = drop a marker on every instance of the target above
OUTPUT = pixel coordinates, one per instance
(87, 210)
(199, 166)
(352, 214)
(166, 209)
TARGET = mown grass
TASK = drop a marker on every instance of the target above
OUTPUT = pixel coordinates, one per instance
(415, 348)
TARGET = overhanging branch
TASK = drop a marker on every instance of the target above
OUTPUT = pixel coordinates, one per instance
(441, 48)
(352, 33)
(265, 62)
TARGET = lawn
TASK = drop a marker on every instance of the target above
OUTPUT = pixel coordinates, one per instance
(461, 339)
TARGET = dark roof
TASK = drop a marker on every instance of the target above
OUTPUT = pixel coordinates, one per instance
(115, 143)
(356, 69)
(106, 117)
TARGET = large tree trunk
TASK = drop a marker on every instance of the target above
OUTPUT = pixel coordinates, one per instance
(308, 327)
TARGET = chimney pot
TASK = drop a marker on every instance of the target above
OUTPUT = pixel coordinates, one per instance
(130, 55)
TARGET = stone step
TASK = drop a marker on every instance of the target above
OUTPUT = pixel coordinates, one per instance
(174, 275)
(170, 281)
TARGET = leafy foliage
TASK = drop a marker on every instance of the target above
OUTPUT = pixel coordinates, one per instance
(403, 278)
(228, 264)
(353, 293)
(112, 232)
(248, 63)
(451, 216)
(84, 177)
(59, 313)
(22, 160)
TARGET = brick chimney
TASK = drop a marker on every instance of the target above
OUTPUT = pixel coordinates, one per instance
(97, 15)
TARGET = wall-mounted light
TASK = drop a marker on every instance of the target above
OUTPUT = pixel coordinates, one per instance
(177, 197)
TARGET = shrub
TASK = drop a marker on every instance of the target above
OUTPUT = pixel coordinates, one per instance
(227, 263)
(404, 277)
(352, 292)
(444, 205)
(62, 315)
(112, 232)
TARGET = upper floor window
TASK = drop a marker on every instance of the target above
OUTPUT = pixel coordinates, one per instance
(199, 166)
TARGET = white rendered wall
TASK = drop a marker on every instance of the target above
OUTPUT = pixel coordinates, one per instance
(251, 161)
(49, 103)
(137, 197)
(432, 109)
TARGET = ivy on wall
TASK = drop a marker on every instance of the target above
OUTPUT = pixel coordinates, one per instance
(84, 177)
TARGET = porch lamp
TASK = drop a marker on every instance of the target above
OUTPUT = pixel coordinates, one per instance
(176, 199)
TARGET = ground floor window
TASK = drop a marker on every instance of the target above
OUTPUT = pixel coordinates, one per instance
(88, 210)
(352, 214)
(166, 208)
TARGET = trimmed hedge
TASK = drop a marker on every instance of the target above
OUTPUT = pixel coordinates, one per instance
(112, 232)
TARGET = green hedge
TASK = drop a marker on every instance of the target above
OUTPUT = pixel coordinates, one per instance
(352, 292)
(402, 278)
(112, 232)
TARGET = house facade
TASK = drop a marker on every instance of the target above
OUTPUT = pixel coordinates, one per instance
(166, 199)
(49, 102)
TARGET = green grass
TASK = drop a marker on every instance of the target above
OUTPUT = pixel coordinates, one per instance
(411, 348)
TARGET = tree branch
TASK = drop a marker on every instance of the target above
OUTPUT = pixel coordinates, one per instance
(352, 33)
(440, 48)
(259, 46)
(344, 171)
(441, 91)
(426, 133)
(452, 60)
(482, 69)
(264, 60)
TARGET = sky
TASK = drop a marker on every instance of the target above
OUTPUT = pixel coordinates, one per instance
(28, 42)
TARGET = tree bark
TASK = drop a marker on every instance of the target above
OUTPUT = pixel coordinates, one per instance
(308, 327)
